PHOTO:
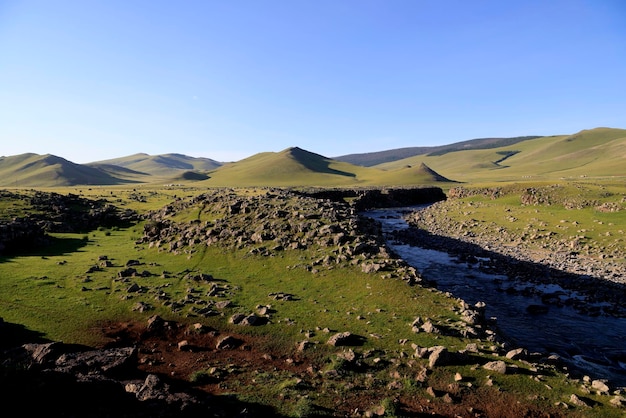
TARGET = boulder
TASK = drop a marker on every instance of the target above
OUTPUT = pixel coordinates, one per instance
(600, 386)
(343, 338)
(97, 361)
(228, 342)
(518, 353)
(439, 356)
(497, 366)
(156, 323)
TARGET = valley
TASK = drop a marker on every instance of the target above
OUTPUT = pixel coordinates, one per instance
(260, 288)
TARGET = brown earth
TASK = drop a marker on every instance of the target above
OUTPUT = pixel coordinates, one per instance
(236, 371)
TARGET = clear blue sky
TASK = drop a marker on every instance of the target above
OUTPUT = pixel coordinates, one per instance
(91, 80)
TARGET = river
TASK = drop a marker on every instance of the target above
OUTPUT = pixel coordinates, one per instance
(591, 345)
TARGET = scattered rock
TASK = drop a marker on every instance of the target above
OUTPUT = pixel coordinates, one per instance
(228, 342)
(156, 323)
(618, 401)
(576, 401)
(303, 345)
(430, 328)
(236, 318)
(343, 338)
(497, 366)
(600, 386)
(516, 354)
(439, 356)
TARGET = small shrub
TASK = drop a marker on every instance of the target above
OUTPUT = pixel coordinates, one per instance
(390, 407)
(306, 408)
(201, 377)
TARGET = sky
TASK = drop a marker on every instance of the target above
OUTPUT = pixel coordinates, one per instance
(93, 80)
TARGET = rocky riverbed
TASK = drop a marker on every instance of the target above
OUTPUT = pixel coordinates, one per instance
(601, 279)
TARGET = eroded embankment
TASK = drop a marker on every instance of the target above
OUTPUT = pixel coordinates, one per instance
(599, 273)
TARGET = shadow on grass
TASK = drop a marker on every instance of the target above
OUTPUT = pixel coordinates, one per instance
(52, 247)
(319, 165)
(13, 335)
(38, 389)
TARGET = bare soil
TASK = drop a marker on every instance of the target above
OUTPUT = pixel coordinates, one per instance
(238, 368)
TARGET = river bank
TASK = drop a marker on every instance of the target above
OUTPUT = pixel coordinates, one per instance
(543, 317)
(602, 280)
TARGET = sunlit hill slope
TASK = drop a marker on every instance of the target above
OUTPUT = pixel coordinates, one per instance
(162, 165)
(33, 170)
(298, 167)
(599, 152)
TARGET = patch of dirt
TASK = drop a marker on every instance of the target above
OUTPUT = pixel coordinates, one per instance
(237, 369)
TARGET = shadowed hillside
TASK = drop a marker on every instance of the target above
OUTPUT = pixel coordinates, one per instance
(298, 167)
(166, 165)
(599, 152)
(375, 158)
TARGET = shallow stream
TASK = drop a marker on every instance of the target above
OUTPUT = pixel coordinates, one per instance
(593, 345)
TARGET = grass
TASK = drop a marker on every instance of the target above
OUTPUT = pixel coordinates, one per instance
(588, 217)
(58, 293)
(590, 153)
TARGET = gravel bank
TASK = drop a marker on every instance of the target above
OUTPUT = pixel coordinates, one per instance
(601, 279)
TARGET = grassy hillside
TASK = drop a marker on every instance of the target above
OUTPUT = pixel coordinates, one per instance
(599, 152)
(290, 167)
(375, 158)
(297, 167)
(34, 170)
(165, 165)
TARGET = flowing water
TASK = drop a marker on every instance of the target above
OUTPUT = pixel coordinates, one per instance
(593, 345)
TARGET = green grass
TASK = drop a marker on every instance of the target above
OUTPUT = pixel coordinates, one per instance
(52, 292)
(584, 216)
(595, 153)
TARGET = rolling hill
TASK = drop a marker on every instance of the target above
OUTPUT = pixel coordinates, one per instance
(34, 170)
(376, 158)
(297, 167)
(165, 165)
(599, 152)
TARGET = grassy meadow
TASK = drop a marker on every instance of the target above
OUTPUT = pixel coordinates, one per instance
(580, 215)
(61, 293)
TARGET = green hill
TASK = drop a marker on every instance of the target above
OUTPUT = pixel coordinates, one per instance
(292, 166)
(298, 167)
(34, 170)
(165, 165)
(376, 158)
(599, 152)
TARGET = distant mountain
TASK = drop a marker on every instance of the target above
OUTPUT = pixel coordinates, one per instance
(375, 158)
(165, 165)
(34, 170)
